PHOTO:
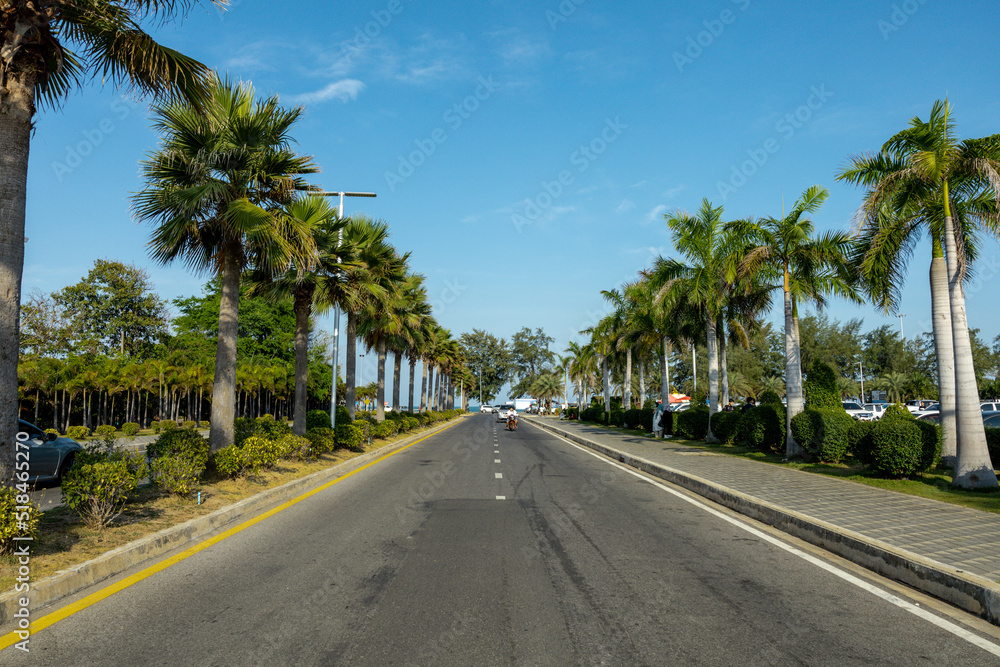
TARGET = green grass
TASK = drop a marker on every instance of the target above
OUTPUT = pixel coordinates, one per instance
(935, 484)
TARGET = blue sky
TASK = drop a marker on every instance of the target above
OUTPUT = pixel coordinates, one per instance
(527, 151)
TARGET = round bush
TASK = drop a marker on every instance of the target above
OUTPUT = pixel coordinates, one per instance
(104, 431)
(693, 424)
(724, 425)
(78, 432)
(930, 439)
(176, 474)
(350, 436)
(762, 427)
(168, 425)
(184, 442)
(268, 427)
(190, 423)
(321, 439)
(261, 453)
(155, 426)
(295, 447)
(204, 423)
(859, 441)
(823, 433)
(769, 398)
(97, 486)
(820, 388)
(317, 419)
(130, 429)
(896, 448)
(229, 461)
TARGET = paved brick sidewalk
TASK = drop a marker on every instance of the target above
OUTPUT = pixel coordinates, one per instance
(964, 539)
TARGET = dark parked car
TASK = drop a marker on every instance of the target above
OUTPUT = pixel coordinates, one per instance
(49, 455)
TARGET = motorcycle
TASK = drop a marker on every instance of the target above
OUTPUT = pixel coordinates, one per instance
(511, 423)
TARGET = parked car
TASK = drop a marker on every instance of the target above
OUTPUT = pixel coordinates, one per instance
(680, 407)
(877, 409)
(49, 455)
(919, 405)
(858, 412)
(991, 419)
(486, 408)
(990, 406)
(504, 410)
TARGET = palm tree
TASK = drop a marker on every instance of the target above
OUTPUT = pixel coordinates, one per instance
(212, 190)
(38, 69)
(895, 385)
(925, 178)
(306, 281)
(704, 283)
(783, 255)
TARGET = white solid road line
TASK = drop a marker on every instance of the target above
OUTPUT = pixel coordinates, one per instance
(948, 626)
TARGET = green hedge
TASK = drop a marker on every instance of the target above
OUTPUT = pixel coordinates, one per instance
(897, 447)
(350, 436)
(321, 440)
(820, 388)
(184, 442)
(859, 441)
(762, 427)
(130, 429)
(78, 432)
(175, 474)
(693, 423)
(823, 433)
(105, 431)
(639, 418)
(724, 425)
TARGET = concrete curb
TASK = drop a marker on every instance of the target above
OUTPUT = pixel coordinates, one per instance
(967, 591)
(67, 582)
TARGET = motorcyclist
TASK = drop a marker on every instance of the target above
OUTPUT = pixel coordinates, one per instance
(512, 419)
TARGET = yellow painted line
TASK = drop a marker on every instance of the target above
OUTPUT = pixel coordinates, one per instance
(50, 619)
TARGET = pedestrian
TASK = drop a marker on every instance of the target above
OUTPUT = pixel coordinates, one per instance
(657, 419)
(729, 407)
(751, 403)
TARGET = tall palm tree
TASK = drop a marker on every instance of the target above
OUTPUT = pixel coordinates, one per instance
(704, 281)
(783, 254)
(306, 282)
(48, 49)
(924, 177)
(212, 190)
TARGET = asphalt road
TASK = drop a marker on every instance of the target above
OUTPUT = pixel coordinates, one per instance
(480, 546)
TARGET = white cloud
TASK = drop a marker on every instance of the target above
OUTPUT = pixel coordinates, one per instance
(343, 90)
(656, 213)
(625, 205)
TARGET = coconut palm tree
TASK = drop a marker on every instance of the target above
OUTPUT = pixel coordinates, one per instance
(925, 178)
(212, 191)
(783, 254)
(49, 49)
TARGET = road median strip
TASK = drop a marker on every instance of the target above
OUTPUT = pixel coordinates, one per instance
(967, 591)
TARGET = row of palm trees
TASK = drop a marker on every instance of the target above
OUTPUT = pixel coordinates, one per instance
(226, 193)
(922, 181)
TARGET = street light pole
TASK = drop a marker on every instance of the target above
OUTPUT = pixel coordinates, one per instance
(336, 309)
(901, 336)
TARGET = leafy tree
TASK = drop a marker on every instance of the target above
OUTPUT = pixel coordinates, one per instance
(529, 355)
(45, 331)
(114, 310)
(489, 359)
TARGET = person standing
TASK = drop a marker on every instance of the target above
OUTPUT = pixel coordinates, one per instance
(657, 420)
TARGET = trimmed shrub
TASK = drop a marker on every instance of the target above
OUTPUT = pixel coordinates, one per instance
(363, 425)
(769, 398)
(896, 448)
(79, 432)
(269, 427)
(930, 440)
(317, 419)
(859, 441)
(762, 427)
(993, 444)
(243, 428)
(204, 423)
(616, 417)
(155, 426)
(343, 415)
(350, 436)
(724, 425)
(130, 429)
(321, 439)
(168, 425)
(295, 447)
(105, 431)
(97, 485)
(693, 423)
(637, 418)
(190, 423)
(183, 442)
(896, 411)
(820, 389)
(261, 453)
(176, 474)
(823, 433)
(229, 461)
(16, 522)
(412, 422)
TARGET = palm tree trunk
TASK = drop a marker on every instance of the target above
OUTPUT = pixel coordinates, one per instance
(423, 385)
(793, 377)
(36, 406)
(642, 383)
(222, 432)
(397, 371)
(973, 469)
(351, 361)
(723, 370)
(713, 374)
(944, 352)
(430, 387)
(302, 306)
(606, 380)
(627, 389)
(15, 135)
(380, 381)
(665, 374)
(413, 379)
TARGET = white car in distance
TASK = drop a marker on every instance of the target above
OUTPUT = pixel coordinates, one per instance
(858, 412)
(877, 409)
